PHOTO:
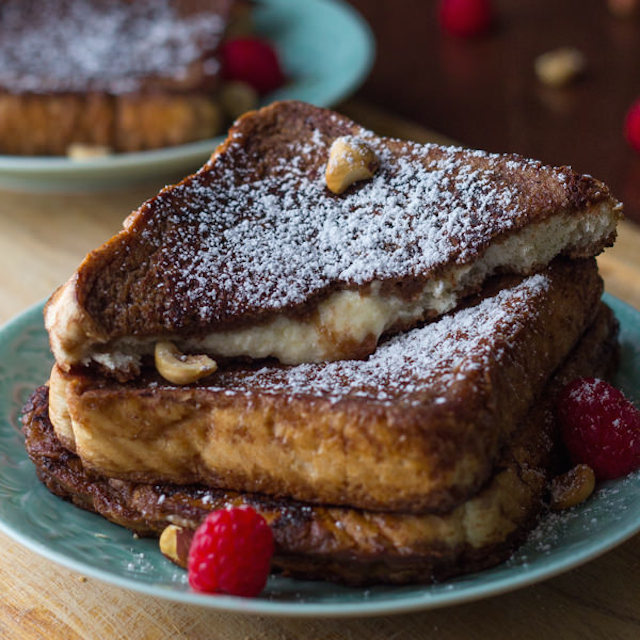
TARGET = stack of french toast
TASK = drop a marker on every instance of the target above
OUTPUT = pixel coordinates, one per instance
(362, 338)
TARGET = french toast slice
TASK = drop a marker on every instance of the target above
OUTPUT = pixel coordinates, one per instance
(415, 427)
(343, 544)
(254, 257)
(113, 73)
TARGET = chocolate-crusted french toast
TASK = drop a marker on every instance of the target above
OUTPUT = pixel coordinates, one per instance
(359, 336)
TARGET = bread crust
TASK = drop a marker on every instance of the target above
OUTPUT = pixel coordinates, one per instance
(422, 441)
(352, 546)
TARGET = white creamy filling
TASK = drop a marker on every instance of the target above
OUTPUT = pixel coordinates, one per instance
(354, 316)
(344, 316)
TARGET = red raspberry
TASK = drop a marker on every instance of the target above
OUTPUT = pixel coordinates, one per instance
(632, 126)
(465, 18)
(600, 427)
(252, 61)
(231, 553)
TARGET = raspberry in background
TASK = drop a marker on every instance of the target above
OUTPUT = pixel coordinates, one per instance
(600, 427)
(632, 125)
(231, 553)
(465, 18)
(253, 61)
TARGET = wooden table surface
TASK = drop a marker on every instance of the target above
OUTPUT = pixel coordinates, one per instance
(42, 239)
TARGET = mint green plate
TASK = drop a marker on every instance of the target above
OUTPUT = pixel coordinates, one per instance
(326, 49)
(87, 543)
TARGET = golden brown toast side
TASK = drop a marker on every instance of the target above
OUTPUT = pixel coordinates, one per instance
(50, 125)
(353, 546)
(416, 427)
(256, 235)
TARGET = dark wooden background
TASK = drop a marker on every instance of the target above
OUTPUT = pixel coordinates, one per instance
(484, 93)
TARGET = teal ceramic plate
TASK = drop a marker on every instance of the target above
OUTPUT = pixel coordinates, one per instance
(94, 547)
(326, 49)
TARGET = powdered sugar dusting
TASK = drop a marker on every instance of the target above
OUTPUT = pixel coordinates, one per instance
(80, 45)
(433, 358)
(236, 242)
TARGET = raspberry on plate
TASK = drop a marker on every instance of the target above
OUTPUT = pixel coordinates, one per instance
(465, 18)
(231, 553)
(600, 427)
(253, 61)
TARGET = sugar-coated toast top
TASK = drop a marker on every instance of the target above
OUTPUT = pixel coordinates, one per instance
(256, 231)
(117, 46)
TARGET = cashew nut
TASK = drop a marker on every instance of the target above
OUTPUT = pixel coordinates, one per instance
(350, 159)
(174, 544)
(178, 368)
(559, 67)
(237, 98)
(573, 487)
(81, 151)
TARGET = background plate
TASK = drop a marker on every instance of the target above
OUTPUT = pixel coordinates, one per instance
(97, 548)
(326, 49)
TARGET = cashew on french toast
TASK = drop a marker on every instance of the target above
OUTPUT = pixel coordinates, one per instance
(344, 544)
(253, 256)
(417, 426)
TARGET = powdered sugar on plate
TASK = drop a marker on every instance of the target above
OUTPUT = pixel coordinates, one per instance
(599, 515)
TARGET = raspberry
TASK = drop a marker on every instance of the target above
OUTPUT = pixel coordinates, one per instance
(231, 553)
(600, 427)
(632, 125)
(252, 61)
(465, 18)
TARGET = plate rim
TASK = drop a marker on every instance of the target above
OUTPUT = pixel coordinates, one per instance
(412, 602)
